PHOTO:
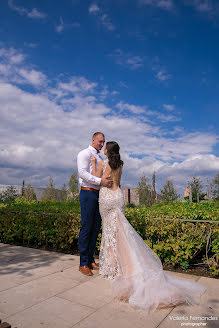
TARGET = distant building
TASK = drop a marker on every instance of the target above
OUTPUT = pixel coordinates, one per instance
(134, 197)
(131, 195)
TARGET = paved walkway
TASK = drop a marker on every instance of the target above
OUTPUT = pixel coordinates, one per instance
(45, 289)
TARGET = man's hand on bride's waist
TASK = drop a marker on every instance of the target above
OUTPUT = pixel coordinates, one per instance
(106, 181)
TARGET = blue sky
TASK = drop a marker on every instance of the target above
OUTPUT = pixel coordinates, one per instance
(145, 72)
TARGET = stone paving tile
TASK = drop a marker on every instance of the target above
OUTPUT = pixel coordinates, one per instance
(9, 254)
(75, 274)
(18, 298)
(3, 316)
(25, 249)
(7, 282)
(209, 306)
(58, 289)
(20, 261)
(22, 276)
(19, 264)
(121, 315)
(52, 313)
(93, 293)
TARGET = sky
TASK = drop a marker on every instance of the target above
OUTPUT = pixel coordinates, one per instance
(144, 72)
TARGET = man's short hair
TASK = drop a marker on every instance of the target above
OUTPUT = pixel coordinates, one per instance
(97, 133)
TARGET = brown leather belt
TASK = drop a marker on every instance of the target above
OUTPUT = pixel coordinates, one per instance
(90, 189)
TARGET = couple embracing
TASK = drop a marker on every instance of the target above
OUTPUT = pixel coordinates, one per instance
(135, 271)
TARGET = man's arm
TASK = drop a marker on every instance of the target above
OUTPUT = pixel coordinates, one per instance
(83, 161)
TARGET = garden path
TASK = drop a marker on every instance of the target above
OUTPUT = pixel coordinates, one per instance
(45, 289)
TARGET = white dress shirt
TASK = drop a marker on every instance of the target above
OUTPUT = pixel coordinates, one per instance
(86, 179)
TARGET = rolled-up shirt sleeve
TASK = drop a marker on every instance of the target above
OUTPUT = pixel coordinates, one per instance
(83, 162)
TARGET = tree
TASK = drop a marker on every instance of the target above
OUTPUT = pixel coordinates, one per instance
(50, 193)
(9, 195)
(196, 187)
(73, 186)
(63, 193)
(169, 193)
(29, 193)
(154, 194)
(23, 188)
(145, 192)
(216, 187)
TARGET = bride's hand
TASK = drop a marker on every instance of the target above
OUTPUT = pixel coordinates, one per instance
(93, 160)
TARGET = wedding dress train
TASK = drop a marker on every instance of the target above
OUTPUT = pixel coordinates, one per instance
(134, 269)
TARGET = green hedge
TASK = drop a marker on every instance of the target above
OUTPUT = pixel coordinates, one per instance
(56, 225)
(179, 242)
(51, 224)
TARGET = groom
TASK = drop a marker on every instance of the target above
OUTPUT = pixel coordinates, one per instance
(89, 194)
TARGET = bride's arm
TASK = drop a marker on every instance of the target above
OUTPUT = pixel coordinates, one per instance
(99, 171)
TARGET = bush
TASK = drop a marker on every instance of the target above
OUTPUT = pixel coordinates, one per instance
(178, 242)
(130, 205)
(50, 224)
(56, 225)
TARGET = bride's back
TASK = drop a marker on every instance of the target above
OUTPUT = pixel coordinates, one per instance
(115, 176)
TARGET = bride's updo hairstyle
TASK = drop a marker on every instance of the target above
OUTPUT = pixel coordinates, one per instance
(113, 155)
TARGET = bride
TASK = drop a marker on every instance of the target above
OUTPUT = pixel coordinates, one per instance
(134, 269)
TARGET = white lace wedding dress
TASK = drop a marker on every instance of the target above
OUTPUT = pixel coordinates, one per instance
(135, 271)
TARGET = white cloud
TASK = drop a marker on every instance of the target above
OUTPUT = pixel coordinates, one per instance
(14, 69)
(167, 118)
(101, 17)
(93, 9)
(42, 132)
(135, 62)
(205, 6)
(11, 55)
(127, 59)
(105, 20)
(32, 76)
(204, 166)
(19, 10)
(168, 107)
(131, 108)
(59, 28)
(4, 69)
(198, 163)
(105, 92)
(145, 113)
(77, 84)
(162, 75)
(163, 4)
(34, 13)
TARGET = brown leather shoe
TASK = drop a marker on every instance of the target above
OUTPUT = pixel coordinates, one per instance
(85, 270)
(93, 266)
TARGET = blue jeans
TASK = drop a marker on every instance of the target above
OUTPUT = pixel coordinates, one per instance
(90, 225)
